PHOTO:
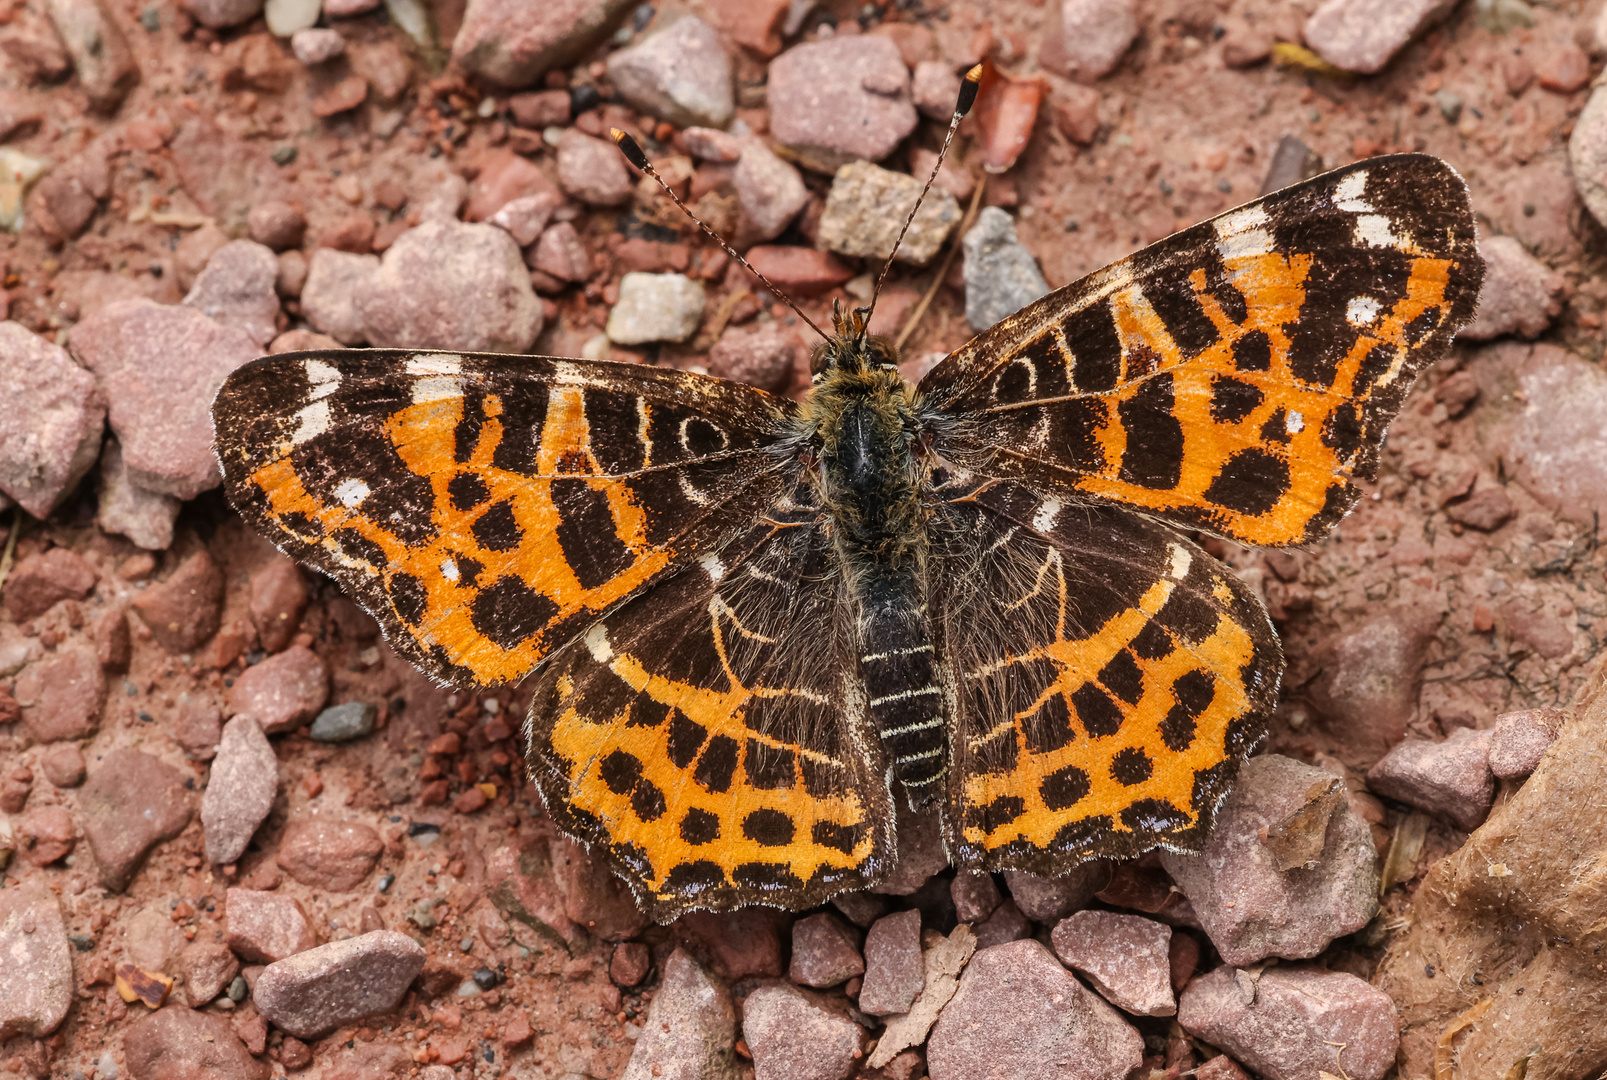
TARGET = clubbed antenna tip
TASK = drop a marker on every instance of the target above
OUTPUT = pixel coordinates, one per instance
(968, 89)
(633, 152)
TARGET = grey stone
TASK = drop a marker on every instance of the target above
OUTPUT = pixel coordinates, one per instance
(145, 517)
(105, 65)
(1450, 779)
(50, 429)
(839, 100)
(1019, 1013)
(454, 286)
(1251, 909)
(237, 289)
(344, 722)
(867, 206)
(680, 74)
(690, 1029)
(795, 1035)
(240, 791)
(1520, 294)
(330, 297)
(1048, 900)
(1364, 35)
(1294, 1023)
(1001, 276)
(893, 972)
(316, 991)
(36, 980)
(655, 307)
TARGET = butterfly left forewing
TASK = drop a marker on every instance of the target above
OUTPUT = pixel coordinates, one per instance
(1107, 677)
(486, 508)
(1237, 376)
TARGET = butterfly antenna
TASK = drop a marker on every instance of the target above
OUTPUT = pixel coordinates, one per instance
(968, 89)
(633, 153)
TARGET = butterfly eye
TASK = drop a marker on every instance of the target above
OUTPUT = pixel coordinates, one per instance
(820, 360)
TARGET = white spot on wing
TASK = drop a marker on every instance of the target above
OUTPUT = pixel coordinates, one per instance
(449, 569)
(1294, 423)
(1044, 519)
(712, 566)
(351, 492)
(1375, 230)
(597, 644)
(568, 375)
(1348, 193)
(325, 378)
(435, 364)
(1181, 560)
(436, 388)
(311, 422)
(1361, 311)
(1240, 233)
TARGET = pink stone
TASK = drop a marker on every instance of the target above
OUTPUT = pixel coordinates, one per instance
(1520, 739)
(1092, 38)
(893, 971)
(36, 980)
(1451, 779)
(1520, 294)
(1006, 924)
(770, 191)
(1126, 957)
(765, 356)
(278, 597)
(333, 855)
(237, 289)
(784, 1026)
(825, 952)
(593, 897)
(186, 609)
(1048, 900)
(38, 582)
(561, 253)
(263, 926)
(316, 991)
(593, 171)
(50, 430)
(179, 1042)
(1363, 35)
(512, 43)
(689, 1029)
(975, 895)
(61, 694)
(131, 803)
(283, 691)
(240, 791)
(839, 100)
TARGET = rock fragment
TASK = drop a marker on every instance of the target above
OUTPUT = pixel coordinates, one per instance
(510, 44)
(655, 307)
(263, 927)
(765, 356)
(344, 722)
(145, 517)
(1019, 1013)
(1293, 1023)
(893, 971)
(139, 351)
(1450, 779)
(285, 17)
(1250, 908)
(795, 1035)
(835, 101)
(131, 803)
(679, 74)
(237, 289)
(38, 582)
(317, 45)
(593, 171)
(316, 991)
(278, 598)
(1371, 677)
(825, 952)
(179, 1042)
(525, 217)
(186, 609)
(867, 206)
(61, 694)
(769, 190)
(99, 51)
(36, 980)
(1092, 38)
(336, 284)
(975, 895)
(283, 691)
(1001, 276)
(1047, 900)
(690, 1028)
(1126, 957)
(1364, 35)
(1520, 294)
(50, 431)
(333, 855)
(240, 793)
(63, 765)
(452, 286)
(935, 88)
(1520, 739)
(799, 269)
(46, 834)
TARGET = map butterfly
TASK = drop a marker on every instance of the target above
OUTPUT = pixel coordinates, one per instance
(754, 625)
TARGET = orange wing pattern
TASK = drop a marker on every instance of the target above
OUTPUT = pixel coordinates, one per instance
(483, 508)
(711, 738)
(1107, 678)
(1238, 375)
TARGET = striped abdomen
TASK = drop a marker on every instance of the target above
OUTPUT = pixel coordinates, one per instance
(904, 702)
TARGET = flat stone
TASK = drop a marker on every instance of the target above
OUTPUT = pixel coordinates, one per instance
(1371, 676)
(39, 582)
(139, 351)
(690, 1029)
(345, 722)
(150, 939)
(893, 972)
(1092, 38)
(283, 691)
(593, 897)
(593, 171)
(1292, 1023)
(541, 109)
(680, 74)
(1007, 923)
(1248, 906)
(795, 1035)
(975, 894)
(1519, 740)
(331, 297)
(105, 65)
(1001, 276)
(198, 729)
(131, 803)
(47, 834)
(739, 944)
(1048, 900)
(525, 217)
(61, 694)
(1559, 436)
(511, 44)
(1364, 35)
(453, 286)
(1486, 510)
(1520, 294)
(867, 206)
(1019, 1013)
(825, 952)
(184, 1044)
(942, 960)
(316, 991)
(832, 102)
(145, 517)
(519, 881)
(205, 968)
(712, 144)
(262, 927)
(561, 253)
(799, 269)
(285, 17)
(50, 432)
(36, 980)
(186, 609)
(237, 289)
(333, 855)
(1125, 957)
(317, 45)
(278, 598)
(769, 190)
(240, 791)
(655, 307)
(1449, 779)
(765, 355)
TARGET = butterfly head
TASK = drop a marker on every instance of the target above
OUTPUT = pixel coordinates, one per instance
(852, 349)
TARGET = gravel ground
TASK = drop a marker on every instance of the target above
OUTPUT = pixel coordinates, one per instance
(240, 837)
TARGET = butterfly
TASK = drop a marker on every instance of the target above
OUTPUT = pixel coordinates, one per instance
(755, 626)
